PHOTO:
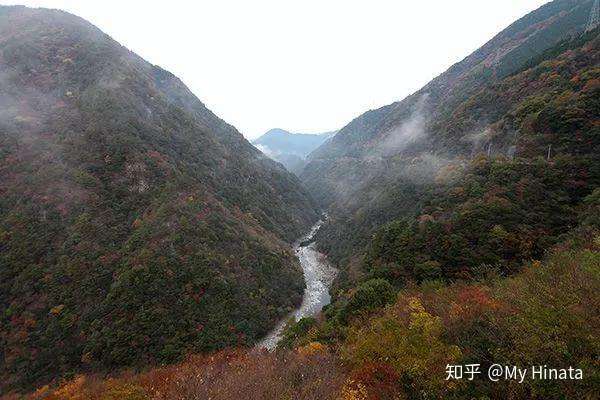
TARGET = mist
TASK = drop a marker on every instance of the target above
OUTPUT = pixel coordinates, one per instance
(408, 132)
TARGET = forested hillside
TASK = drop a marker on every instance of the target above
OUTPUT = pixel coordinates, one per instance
(464, 221)
(427, 121)
(135, 225)
(465, 217)
(547, 314)
(486, 129)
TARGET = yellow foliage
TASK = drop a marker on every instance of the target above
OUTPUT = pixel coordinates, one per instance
(72, 390)
(353, 391)
(41, 393)
(125, 392)
(414, 348)
(57, 309)
(312, 348)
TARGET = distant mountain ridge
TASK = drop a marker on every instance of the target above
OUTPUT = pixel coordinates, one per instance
(290, 149)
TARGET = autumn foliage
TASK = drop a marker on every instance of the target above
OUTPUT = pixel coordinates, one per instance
(230, 374)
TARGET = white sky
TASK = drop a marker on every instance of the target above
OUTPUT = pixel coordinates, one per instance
(305, 65)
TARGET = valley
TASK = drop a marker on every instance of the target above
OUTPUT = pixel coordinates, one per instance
(149, 251)
(318, 277)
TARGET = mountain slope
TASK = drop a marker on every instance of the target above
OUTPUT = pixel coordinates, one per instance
(388, 163)
(135, 225)
(402, 351)
(418, 124)
(288, 148)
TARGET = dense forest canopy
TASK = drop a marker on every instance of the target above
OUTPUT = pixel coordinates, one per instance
(135, 225)
(393, 162)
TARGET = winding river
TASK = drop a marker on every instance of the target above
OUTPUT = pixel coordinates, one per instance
(318, 277)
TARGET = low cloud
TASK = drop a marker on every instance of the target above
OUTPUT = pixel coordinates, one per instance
(408, 132)
(266, 150)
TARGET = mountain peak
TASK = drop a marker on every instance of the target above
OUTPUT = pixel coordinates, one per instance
(290, 149)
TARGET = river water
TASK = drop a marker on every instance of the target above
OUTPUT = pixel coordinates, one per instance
(318, 277)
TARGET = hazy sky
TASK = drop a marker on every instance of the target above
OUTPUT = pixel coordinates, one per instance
(305, 65)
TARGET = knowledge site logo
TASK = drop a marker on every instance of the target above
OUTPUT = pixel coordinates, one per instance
(499, 372)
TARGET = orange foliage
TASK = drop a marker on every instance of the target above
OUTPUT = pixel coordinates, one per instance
(310, 373)
(379, 380)
(592, 84)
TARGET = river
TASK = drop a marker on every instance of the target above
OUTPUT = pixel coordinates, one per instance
(318, 277)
